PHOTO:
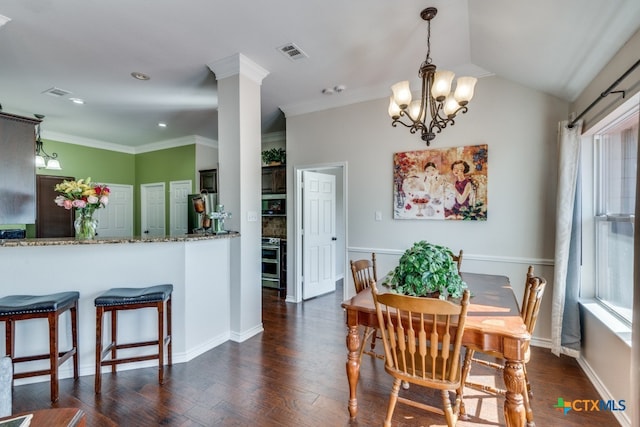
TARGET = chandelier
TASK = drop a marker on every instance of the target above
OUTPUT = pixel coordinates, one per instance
(438, 102)
(44, 160)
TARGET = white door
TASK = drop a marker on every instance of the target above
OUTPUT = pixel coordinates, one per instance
(319, 233)
(152, 210)
(178, 192)
(116, 220)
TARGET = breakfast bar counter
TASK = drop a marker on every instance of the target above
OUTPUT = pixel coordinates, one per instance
(198, 267)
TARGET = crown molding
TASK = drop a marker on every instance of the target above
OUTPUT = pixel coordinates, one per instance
(154, 146)
(238, 64)
(87, 142)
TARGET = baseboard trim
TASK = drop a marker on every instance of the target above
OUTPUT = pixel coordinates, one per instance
(245, 335)
(604, 393)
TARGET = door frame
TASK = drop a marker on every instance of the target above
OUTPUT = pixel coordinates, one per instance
(294, 293)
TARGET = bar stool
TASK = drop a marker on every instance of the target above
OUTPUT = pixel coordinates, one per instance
(23, 307)
(117, 299)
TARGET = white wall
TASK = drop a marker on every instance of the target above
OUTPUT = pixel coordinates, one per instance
(518, 124)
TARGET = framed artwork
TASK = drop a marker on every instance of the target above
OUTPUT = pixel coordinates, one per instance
(444, 184)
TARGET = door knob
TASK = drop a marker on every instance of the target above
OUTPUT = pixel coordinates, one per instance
(334, 238)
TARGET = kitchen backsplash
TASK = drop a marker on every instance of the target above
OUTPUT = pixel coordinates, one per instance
(274, 226)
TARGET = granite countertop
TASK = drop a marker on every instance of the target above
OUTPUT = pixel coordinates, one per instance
(64, 241)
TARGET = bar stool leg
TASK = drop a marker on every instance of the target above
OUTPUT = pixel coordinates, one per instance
(53, 353)
(114, 337)
(9, 334)
(9, 337)
(98, 381)
(169, 336)
(161, 342)
(74, 339)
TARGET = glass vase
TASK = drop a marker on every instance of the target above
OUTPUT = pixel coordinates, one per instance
(86, 227)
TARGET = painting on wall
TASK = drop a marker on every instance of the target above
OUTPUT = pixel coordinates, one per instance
(444, 184)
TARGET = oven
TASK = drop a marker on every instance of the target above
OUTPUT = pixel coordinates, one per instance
(271, 262)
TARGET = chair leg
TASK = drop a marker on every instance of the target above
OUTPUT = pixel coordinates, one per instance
(114, 338)
(365, 336)
(98, 380)
(169, 333)
(161, 342)
(374, 337)
(448, 410)
(9, 336)
(526, 379)
(74, 339)
(393, 399)
(466, 368)
(53, 354)
(526, 395)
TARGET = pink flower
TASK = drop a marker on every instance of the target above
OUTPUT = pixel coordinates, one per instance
(79, 203)
(104, 200)
(67, 204)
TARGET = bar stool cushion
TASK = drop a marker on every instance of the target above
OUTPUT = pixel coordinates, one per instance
(25, 304)
(124, 296)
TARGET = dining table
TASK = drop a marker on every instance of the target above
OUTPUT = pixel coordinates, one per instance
(493, 324)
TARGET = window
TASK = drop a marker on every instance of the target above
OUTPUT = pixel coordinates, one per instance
(616, 151)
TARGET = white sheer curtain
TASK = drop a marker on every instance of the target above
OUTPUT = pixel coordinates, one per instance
(635, 333)
(565, 322)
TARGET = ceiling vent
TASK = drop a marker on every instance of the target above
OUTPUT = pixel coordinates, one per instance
(56, 91)
(292, 52)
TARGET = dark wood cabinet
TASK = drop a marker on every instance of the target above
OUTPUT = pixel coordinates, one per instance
(51, 219)
(209, 180)
(17, 169)
(274, 180)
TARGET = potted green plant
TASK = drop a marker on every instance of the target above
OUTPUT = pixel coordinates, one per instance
(274, 156)
(426, 269)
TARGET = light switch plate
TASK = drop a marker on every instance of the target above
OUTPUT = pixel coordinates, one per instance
(378, 216)
(252, 216)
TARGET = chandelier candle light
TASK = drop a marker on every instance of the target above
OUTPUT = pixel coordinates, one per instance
(438, 99)
(85, 197)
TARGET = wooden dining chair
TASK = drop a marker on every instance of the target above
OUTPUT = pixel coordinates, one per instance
(529, 309)
(422, 340)
(458, 259)
(364, 271)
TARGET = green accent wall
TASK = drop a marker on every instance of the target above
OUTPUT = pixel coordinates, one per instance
(163, 166)
(113, 167)
(101, 165)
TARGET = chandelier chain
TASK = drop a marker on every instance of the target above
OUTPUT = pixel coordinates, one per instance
(428, 58)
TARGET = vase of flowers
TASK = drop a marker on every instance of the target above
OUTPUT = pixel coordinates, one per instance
(85, 197)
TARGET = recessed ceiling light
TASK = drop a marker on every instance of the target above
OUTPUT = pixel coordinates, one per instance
(140, 76)
(162, 125)
(77, 101)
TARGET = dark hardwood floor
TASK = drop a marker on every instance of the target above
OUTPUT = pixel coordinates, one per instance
(294, 374)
